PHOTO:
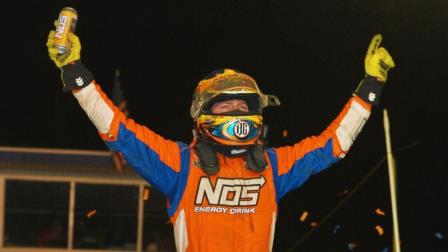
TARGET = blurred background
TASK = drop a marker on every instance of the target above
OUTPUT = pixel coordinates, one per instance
(308, 53)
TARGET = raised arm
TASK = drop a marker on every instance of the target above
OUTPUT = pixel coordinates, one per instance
(293, 165)
(156, 159)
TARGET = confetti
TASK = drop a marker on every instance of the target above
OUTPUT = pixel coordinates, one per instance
(146, 194)
(303, 216)
(439, 235)
(91, 213)
(336, 229)
(345, 192)
(379, 229)
(379, 212)
(352, 245)
(313, 224)
(285, 133)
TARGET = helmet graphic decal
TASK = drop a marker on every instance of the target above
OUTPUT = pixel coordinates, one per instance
(241, 129)
(230, 130)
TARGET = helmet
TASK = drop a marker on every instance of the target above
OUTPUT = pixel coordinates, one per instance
(234, 128)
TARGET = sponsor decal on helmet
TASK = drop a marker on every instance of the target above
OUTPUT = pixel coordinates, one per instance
(242, 129)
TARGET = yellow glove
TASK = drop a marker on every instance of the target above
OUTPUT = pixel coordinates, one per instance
(74, 74)
(64, 59)
(378, 61)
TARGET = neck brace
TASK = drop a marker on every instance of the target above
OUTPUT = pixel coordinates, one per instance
(206, 152)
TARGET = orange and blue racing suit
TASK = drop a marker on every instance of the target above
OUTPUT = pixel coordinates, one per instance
(235, 209)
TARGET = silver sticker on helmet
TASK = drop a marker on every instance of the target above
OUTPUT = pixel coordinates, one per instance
(241, 129)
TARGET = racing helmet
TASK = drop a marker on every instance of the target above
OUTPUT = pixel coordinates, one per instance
(234, 128)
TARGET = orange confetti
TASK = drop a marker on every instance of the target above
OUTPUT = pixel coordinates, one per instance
(379, 212)
(285, 133)
(91, 213)
(313, 224)
(303, 216)
(146, 194)
(379, 229)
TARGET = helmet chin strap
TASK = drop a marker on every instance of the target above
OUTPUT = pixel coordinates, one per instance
(206, 152)
(256, 160)
(207, 158)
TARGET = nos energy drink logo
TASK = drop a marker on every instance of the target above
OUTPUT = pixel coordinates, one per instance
(61, 27)
(229, 192)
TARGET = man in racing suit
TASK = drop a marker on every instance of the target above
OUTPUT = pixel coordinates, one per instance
(223, 189)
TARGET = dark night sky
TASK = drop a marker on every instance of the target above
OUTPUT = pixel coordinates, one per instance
(309, 53)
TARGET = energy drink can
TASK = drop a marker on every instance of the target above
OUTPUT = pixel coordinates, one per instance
(66, 23)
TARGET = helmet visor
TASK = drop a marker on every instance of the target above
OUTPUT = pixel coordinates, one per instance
(227, 85)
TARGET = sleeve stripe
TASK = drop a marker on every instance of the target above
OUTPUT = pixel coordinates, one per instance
(180, 188)
(350, 126)
(341, 131)
(167, 150)
(96, 107)
(107, 119)
(293, 165)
